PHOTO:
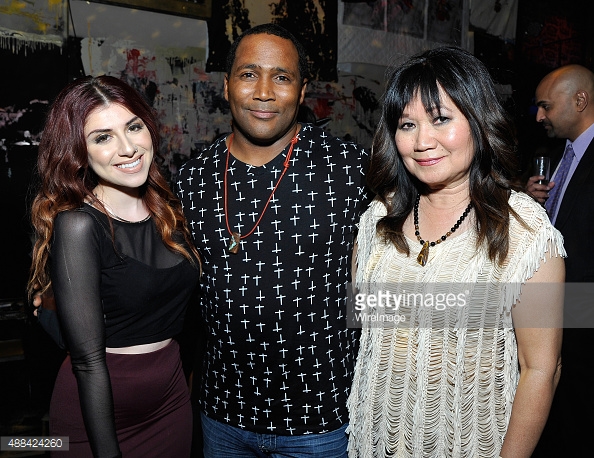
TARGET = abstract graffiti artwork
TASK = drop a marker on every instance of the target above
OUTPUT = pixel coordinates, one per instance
(313, 22)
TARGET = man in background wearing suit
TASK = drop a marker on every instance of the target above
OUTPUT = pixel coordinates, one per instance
(565, 101)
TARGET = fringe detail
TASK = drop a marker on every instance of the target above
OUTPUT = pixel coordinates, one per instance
(443, 386)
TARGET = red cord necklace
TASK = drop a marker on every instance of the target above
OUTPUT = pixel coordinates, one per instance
(236, 236)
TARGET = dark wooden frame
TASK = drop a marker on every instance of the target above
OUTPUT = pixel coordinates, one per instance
(202, 10)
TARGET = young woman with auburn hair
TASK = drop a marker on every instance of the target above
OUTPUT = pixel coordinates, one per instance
(112, 243)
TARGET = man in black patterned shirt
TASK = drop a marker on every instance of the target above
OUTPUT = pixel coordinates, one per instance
(273, 208)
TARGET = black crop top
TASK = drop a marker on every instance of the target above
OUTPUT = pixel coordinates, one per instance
(113, 295)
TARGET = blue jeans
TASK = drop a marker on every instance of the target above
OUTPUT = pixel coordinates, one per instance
(224, 441)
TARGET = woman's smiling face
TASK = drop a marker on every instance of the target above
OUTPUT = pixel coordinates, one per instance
(119, 146)
(436, 147)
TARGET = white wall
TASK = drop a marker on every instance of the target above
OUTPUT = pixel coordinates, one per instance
(143, 27)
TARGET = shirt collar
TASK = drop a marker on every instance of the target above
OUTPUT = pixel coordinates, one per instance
(582, 142)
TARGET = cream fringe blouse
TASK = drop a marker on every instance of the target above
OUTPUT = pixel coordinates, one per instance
(442, 384)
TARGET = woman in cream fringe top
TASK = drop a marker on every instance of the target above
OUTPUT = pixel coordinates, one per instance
(466, 364)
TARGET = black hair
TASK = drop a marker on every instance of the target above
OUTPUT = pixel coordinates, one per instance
(466, 80)
(277, 30)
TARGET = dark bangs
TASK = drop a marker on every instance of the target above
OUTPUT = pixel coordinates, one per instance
(405, 83)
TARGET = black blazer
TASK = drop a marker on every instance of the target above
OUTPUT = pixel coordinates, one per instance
(575, 220)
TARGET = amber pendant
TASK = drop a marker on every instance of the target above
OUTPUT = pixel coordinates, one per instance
(234, 244)
(423, 254)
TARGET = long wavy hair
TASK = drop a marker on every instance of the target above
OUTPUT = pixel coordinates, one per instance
(67, 180)
(468, 83)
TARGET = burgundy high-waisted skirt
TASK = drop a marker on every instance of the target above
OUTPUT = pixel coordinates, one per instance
(152, 406)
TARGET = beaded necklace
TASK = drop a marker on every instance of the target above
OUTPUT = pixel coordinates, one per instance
(424, 253)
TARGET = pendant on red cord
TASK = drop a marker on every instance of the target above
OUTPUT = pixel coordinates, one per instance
(234, 244)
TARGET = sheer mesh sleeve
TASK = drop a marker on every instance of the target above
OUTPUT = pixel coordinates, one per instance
(76, 276)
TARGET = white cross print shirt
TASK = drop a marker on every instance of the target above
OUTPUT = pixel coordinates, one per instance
(279, 356)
